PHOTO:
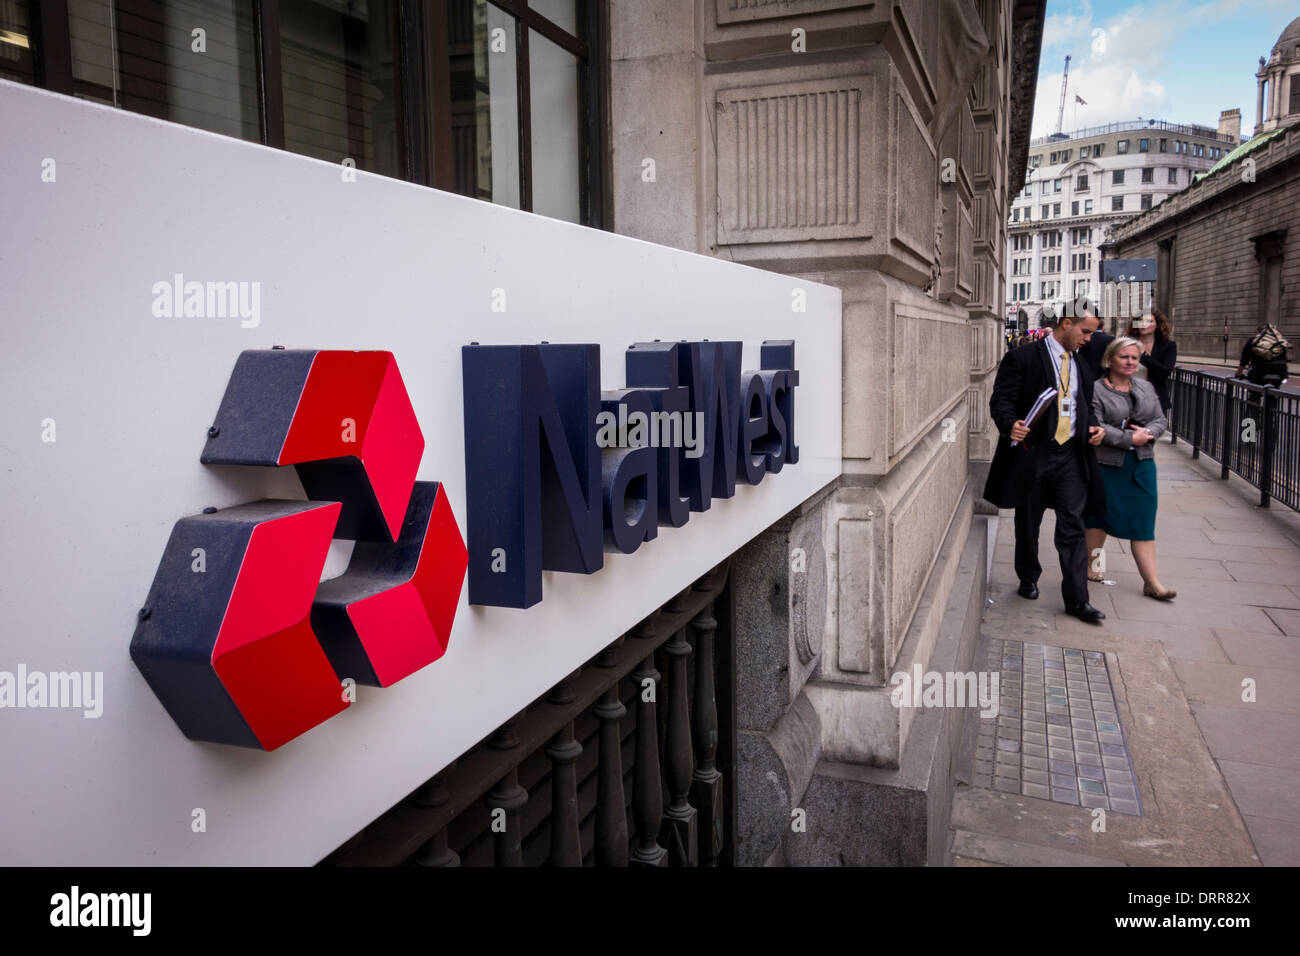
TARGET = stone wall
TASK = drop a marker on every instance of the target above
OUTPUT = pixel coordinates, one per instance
(866, 145)
(1211, 226)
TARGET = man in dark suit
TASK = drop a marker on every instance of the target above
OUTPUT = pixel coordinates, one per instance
(1052, 464)
(1095, 347)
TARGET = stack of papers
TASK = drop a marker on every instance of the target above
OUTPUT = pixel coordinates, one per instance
(1048, 397)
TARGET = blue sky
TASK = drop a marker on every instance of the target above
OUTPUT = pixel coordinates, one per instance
(1178, 60)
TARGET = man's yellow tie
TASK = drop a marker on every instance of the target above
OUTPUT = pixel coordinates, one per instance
(1063, 420)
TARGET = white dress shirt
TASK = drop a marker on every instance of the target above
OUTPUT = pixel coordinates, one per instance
(1055, 349)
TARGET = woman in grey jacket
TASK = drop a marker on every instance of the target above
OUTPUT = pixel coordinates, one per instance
(1129, 411)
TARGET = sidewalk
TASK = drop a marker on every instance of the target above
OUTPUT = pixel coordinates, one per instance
(1217, 777)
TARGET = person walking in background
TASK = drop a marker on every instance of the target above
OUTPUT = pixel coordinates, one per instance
(1154, 336)
(1264, 357)
(1131, 419)
(1051, 464)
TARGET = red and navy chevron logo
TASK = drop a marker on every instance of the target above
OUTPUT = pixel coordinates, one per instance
(238, 638)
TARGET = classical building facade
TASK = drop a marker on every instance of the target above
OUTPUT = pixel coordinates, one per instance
(1225, 247)
(871, 146)
(1080, 186)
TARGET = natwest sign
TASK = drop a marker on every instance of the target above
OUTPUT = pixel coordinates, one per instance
(244, 645)
(542, 494)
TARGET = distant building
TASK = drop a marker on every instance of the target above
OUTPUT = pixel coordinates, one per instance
(1081, 184)
(1226, 247)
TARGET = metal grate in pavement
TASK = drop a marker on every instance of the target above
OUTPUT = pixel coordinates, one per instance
(1057, 735)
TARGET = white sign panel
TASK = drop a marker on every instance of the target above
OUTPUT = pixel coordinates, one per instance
(107, 404)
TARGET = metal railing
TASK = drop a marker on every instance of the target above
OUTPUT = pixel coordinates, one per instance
(1248, 429)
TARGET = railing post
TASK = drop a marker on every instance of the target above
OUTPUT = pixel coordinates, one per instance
(707, 782)
(566, 840)
(1173, 429)
(1266, 452)
(680, 827)
(1227, 430)
(1197, 392)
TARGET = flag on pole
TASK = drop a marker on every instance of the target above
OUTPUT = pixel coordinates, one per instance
(1079, 99)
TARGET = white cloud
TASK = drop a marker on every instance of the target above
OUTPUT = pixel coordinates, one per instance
(1120, 79)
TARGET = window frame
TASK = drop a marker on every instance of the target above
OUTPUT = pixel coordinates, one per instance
(422, 85)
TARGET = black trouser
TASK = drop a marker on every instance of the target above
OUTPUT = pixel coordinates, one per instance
(1061, 487)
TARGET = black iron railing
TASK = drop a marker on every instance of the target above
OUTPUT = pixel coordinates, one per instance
(1250, 430)
(628, 761)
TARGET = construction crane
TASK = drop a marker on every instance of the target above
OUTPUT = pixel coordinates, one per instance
(1065, 81)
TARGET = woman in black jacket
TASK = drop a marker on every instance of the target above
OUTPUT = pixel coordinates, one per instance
(1159, 352)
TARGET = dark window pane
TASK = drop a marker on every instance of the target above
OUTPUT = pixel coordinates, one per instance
(16, 41)
(482, 47)
(340, 80)
(188, 61)
(553, 82)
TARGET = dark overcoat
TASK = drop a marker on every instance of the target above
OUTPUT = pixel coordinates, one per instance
(1024, 373)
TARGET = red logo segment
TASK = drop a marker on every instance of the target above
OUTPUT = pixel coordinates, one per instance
(354, 405)
(265, 654)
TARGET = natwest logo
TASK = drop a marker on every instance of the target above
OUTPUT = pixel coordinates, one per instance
(238, 638)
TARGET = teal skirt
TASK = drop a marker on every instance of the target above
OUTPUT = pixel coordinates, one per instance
(1130, 499)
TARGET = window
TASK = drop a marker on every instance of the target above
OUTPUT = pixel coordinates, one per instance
(1081, 262)
(1036, 161)
(1146, 200)
(1065, 156)
(1144, 145)
(1046, 188)
(1015, 215)
(1047, 210)
(145, 64)
(1056, 209)
(527, 151)
(1164, 146)
(1121, 146)
(1053, 159)
(16, 60)
(1098, 150)
(1081, 183)
(1051, 264)
(494, 100)
(1051, 239)
(1074, 208)
(1080, 287)
(1087, 207)
(1173, 174)
(1084, 151)
(1081, 236)
(1149, 174)
(1056, 185)
(1116, 203)
(1117, 177)
(1050, 289)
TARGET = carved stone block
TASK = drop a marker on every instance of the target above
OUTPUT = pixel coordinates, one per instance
(824, 171)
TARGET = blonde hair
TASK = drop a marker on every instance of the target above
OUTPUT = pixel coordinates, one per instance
(1117, 346)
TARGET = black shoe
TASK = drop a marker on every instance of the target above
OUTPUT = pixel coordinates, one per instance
(1086, 612)
(1028, 590)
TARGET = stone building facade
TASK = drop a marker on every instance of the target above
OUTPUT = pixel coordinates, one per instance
(1085, 183)
(874, 147)
(1225, 247)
